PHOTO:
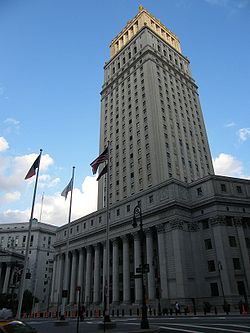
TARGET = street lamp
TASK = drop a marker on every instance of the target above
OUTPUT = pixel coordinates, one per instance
(222, 289)
(138, 214)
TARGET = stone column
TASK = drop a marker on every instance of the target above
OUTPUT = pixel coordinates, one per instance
(80, 271)
(52, 296)
(178, 247)
(219, 231)
(115, 272)
(97, 274)
(6, 279)
(104, 272)
(150, 262)
(137, 263)
(162, 261)
(58, 282)
(243, 250)
(0, 279)
(88, 275)
(72, 298)
(126, 270)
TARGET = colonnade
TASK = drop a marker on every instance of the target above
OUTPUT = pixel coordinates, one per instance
(87, 270)
(7, 276)
(174, 252)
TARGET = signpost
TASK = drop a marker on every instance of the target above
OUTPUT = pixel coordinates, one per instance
(78, 289)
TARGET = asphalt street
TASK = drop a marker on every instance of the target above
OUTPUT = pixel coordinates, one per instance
(202, 324)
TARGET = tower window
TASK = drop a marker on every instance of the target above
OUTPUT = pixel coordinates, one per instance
(236, 263)
(223, 187)
(208, 244)
(211, 266)
(232, 241)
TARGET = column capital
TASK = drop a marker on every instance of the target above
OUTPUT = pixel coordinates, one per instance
(96, 246)
(136, 235)
(218, 220)
(115, 241)
(237, 221)
(160, 228)
(74, 252)
(89, 248)
(148, 232)
(193, 226)
(177, 224)
(125, 238)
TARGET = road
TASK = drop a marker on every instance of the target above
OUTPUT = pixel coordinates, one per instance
(202, 324)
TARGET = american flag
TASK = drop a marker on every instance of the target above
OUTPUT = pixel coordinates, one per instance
(100, 159)
(32, 170)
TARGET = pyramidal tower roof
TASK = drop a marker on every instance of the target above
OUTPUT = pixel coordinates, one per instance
(132, 28)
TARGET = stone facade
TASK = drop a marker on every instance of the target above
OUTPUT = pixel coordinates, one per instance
(13, 238)
(190, 231)
(196, 226)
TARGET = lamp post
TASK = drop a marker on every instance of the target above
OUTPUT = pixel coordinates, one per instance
(225, 305)
(222, 289)
(138, 214)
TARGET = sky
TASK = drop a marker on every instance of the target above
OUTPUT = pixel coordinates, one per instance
(52, 55)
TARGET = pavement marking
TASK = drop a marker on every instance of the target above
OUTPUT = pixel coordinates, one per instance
(234, 325)
(178, 329)
(209, 327)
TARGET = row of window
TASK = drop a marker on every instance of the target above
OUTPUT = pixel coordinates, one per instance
(231, 239)
(223, 188)
(212, 268)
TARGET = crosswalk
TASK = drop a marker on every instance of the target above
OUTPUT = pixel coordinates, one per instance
(204, 328)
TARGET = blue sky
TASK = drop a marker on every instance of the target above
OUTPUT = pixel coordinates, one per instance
(51, 73)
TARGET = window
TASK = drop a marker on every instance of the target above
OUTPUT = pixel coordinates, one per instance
(239, 189)
(223, 187)
(128, 208)
(248, 242)
(232, 241)
(214, 289)
(236, 263)
(208, 244)
(205, 224)
(151, 199)
(199, 191)
(241, 288)
(211, 266)
(118, 212)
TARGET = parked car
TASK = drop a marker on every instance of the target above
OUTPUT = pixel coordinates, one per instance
(16, 326)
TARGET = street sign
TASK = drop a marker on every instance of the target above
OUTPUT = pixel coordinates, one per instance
(65, 293)
(144, 270)
(137, 276)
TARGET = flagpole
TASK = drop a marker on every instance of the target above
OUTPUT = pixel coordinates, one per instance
(65, 280)
(41, 211)
(22, 284)
(106, 311)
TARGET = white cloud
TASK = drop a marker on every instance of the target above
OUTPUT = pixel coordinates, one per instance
(232, 124)
(231, 4)
(10, 197)
(3, 144)
(12, 124)
(55, 209)
(14, 169)
(228, 165)
(244, 134)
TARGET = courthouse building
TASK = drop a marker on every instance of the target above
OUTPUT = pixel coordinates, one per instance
(196, 224)
(13, 240)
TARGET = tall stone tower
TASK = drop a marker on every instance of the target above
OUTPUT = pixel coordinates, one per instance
(150, 112)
